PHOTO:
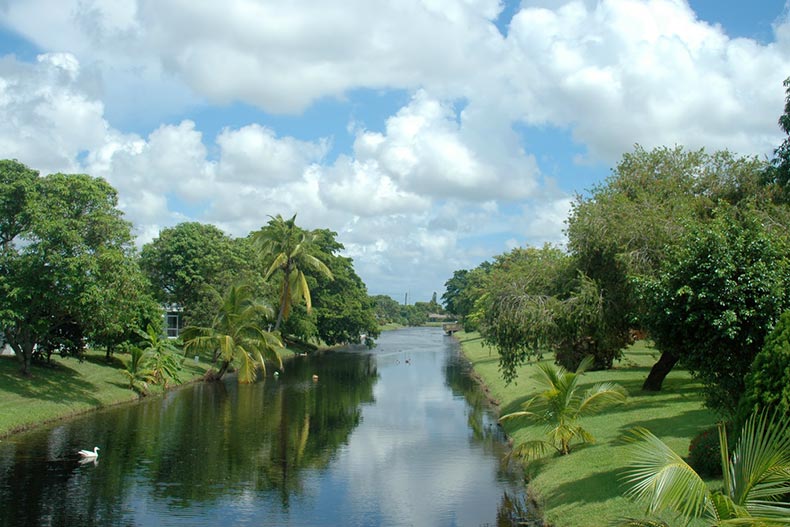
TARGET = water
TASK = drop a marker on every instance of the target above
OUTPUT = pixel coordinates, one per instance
(396, 436)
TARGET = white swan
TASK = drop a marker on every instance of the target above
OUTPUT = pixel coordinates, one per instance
(88, 454)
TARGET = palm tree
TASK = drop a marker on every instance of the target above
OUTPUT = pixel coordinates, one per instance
(756, 476)
(137, 371)
(236, 334)
(161, 356)
(285, 247)
(560, 406)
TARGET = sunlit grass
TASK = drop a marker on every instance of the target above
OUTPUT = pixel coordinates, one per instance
(583, 488)
(69, 387)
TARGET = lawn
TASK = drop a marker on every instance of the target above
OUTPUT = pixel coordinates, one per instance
(68, 387)
(584, 488)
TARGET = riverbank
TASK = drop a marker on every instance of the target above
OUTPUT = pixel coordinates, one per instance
(68, 387)
(583, 488)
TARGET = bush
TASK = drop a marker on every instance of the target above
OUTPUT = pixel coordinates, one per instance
(768, 382)
(704, 454)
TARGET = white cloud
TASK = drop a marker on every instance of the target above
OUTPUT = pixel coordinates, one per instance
(254, 154)
(446, 182)
(630, 71)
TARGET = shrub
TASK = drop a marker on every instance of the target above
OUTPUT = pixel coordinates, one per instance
(768, 382)
(704, 454)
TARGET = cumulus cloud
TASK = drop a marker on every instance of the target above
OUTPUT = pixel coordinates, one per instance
(446, 181)
(44, 113)
(253, 153)
(621, 72)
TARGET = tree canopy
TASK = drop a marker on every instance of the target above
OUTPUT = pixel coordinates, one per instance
(290, 250)
(65, 251)
(184, 261)
(717, 297)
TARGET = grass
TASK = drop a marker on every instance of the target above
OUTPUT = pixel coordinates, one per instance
(390, 326)
(584, 488)
(68, 387)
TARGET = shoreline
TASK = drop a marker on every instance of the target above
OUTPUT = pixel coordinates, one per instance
(583, 488)
(530, 493)
(114, 399)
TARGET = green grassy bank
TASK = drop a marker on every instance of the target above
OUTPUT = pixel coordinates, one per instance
(583, 488)
(67, 387)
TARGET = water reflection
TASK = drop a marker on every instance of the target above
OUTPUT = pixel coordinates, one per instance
(398, 436)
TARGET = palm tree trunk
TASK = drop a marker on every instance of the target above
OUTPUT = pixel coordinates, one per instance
(285, 294)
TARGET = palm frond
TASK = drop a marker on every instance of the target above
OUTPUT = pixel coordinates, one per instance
(659, 476)
(601, 396)
(278, 263)
(532, 449)
(317, 265)
(761, 461)
(637, 522)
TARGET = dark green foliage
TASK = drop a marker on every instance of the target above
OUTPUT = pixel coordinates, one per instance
(717, 296)
(187, 260)
(387, 310)
(768, 382)
(778, 175)
(452, 294)
(705, 454)
(535, 302)
(64, 246)
(625, 228)
(343, 310)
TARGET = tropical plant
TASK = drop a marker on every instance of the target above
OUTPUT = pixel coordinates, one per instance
(756, 476)
(163, 360)
(287, 248)
(560, 407)
(768, 381)
(236, 334)
(137, 371)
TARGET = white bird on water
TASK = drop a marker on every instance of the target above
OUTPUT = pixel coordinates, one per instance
(89, 454)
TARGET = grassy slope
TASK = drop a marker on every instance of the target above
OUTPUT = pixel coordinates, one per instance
(583, 488)
(69, 387)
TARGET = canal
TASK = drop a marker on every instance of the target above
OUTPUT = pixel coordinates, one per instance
(397, 435)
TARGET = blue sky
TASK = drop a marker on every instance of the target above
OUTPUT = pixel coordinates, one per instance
(430, 134)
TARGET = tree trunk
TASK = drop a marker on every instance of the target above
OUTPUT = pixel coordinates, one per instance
(659, 371)
(23, 349)
(284, 298)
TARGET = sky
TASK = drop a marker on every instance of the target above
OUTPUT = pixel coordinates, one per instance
(430, 135)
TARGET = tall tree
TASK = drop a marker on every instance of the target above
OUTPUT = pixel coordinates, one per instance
(452, 293)
(60, 243)
(236, 335)
(289, 250)
(624, 229)
(344, 311)
(717, 297)
(535, 302)
(185, 261)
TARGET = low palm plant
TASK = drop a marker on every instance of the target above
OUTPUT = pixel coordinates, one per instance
(163, 356)
(756, 483)
(560, 407)
(236, 334)
(137, 371)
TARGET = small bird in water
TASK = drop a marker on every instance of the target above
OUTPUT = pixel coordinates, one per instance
(88, 454)
(315, 378)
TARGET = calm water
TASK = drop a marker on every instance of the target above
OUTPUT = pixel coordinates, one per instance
(396, 436)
